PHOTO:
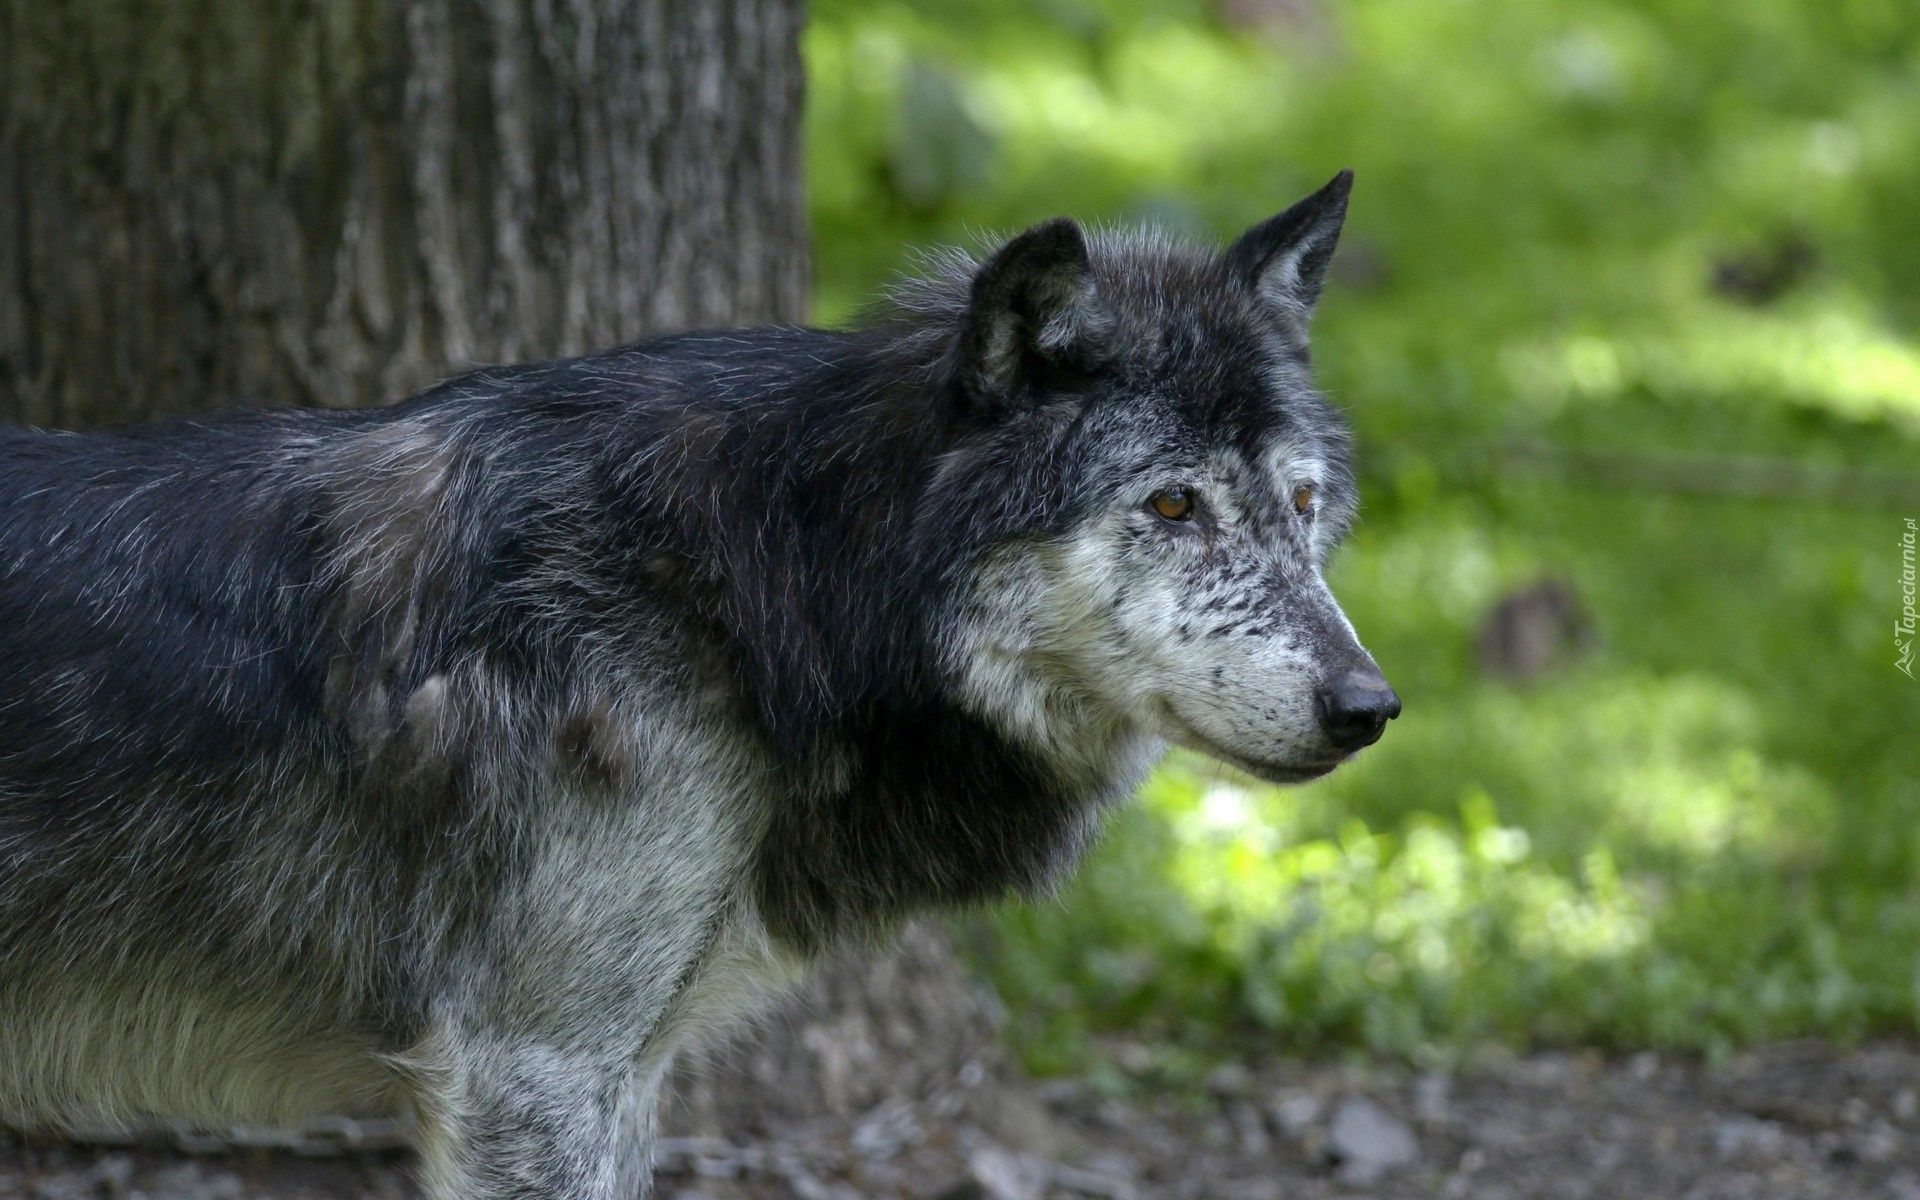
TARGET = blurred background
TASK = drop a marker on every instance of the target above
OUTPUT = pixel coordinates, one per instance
(1627, 317)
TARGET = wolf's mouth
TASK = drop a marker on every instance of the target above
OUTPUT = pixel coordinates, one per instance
(1182, 734)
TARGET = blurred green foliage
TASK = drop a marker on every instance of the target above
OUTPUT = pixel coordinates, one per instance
(1628, 298)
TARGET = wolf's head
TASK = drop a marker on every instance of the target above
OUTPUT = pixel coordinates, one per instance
(1166, 485)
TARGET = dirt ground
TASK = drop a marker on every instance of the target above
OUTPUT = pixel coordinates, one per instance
(1784, 1123)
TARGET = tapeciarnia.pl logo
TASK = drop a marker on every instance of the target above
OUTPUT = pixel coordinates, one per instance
(1904, 627)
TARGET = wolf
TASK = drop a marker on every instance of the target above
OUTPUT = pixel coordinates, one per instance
(469, 756)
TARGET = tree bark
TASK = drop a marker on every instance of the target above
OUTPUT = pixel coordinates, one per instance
(335, 202)
(894, 1023)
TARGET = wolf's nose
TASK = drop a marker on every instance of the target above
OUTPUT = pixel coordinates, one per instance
(1355, 709)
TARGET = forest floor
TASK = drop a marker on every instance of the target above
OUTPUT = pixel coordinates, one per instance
(1781, 1123)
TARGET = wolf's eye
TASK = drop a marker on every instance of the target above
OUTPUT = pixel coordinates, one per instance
(1302, 499)
(1173, 504)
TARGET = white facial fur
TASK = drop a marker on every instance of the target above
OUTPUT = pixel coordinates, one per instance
(1213, 633)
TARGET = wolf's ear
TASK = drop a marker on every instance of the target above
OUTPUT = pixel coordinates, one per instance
(1034, 310)
(1284, 259)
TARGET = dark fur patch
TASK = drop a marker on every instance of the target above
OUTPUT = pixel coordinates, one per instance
(596, 746)
(893, 840)
(386, 547)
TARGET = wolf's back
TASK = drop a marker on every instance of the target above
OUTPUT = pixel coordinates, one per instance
(155, 606)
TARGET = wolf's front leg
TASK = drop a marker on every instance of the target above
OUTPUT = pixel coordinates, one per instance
(523, 1120)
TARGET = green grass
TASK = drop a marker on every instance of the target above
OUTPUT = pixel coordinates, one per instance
(1704, 831)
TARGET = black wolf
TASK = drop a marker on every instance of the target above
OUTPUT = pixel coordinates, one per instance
(472, 754)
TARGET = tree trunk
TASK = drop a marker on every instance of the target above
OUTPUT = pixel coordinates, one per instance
(898, 1023)
(215, 202)
(212, 202)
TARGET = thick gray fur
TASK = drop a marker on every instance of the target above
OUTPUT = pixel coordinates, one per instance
(472, 755)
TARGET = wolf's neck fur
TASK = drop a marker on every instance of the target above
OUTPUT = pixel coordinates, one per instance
(930, 809)
(836, 594)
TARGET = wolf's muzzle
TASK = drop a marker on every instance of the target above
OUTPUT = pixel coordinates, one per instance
(1355, 708)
